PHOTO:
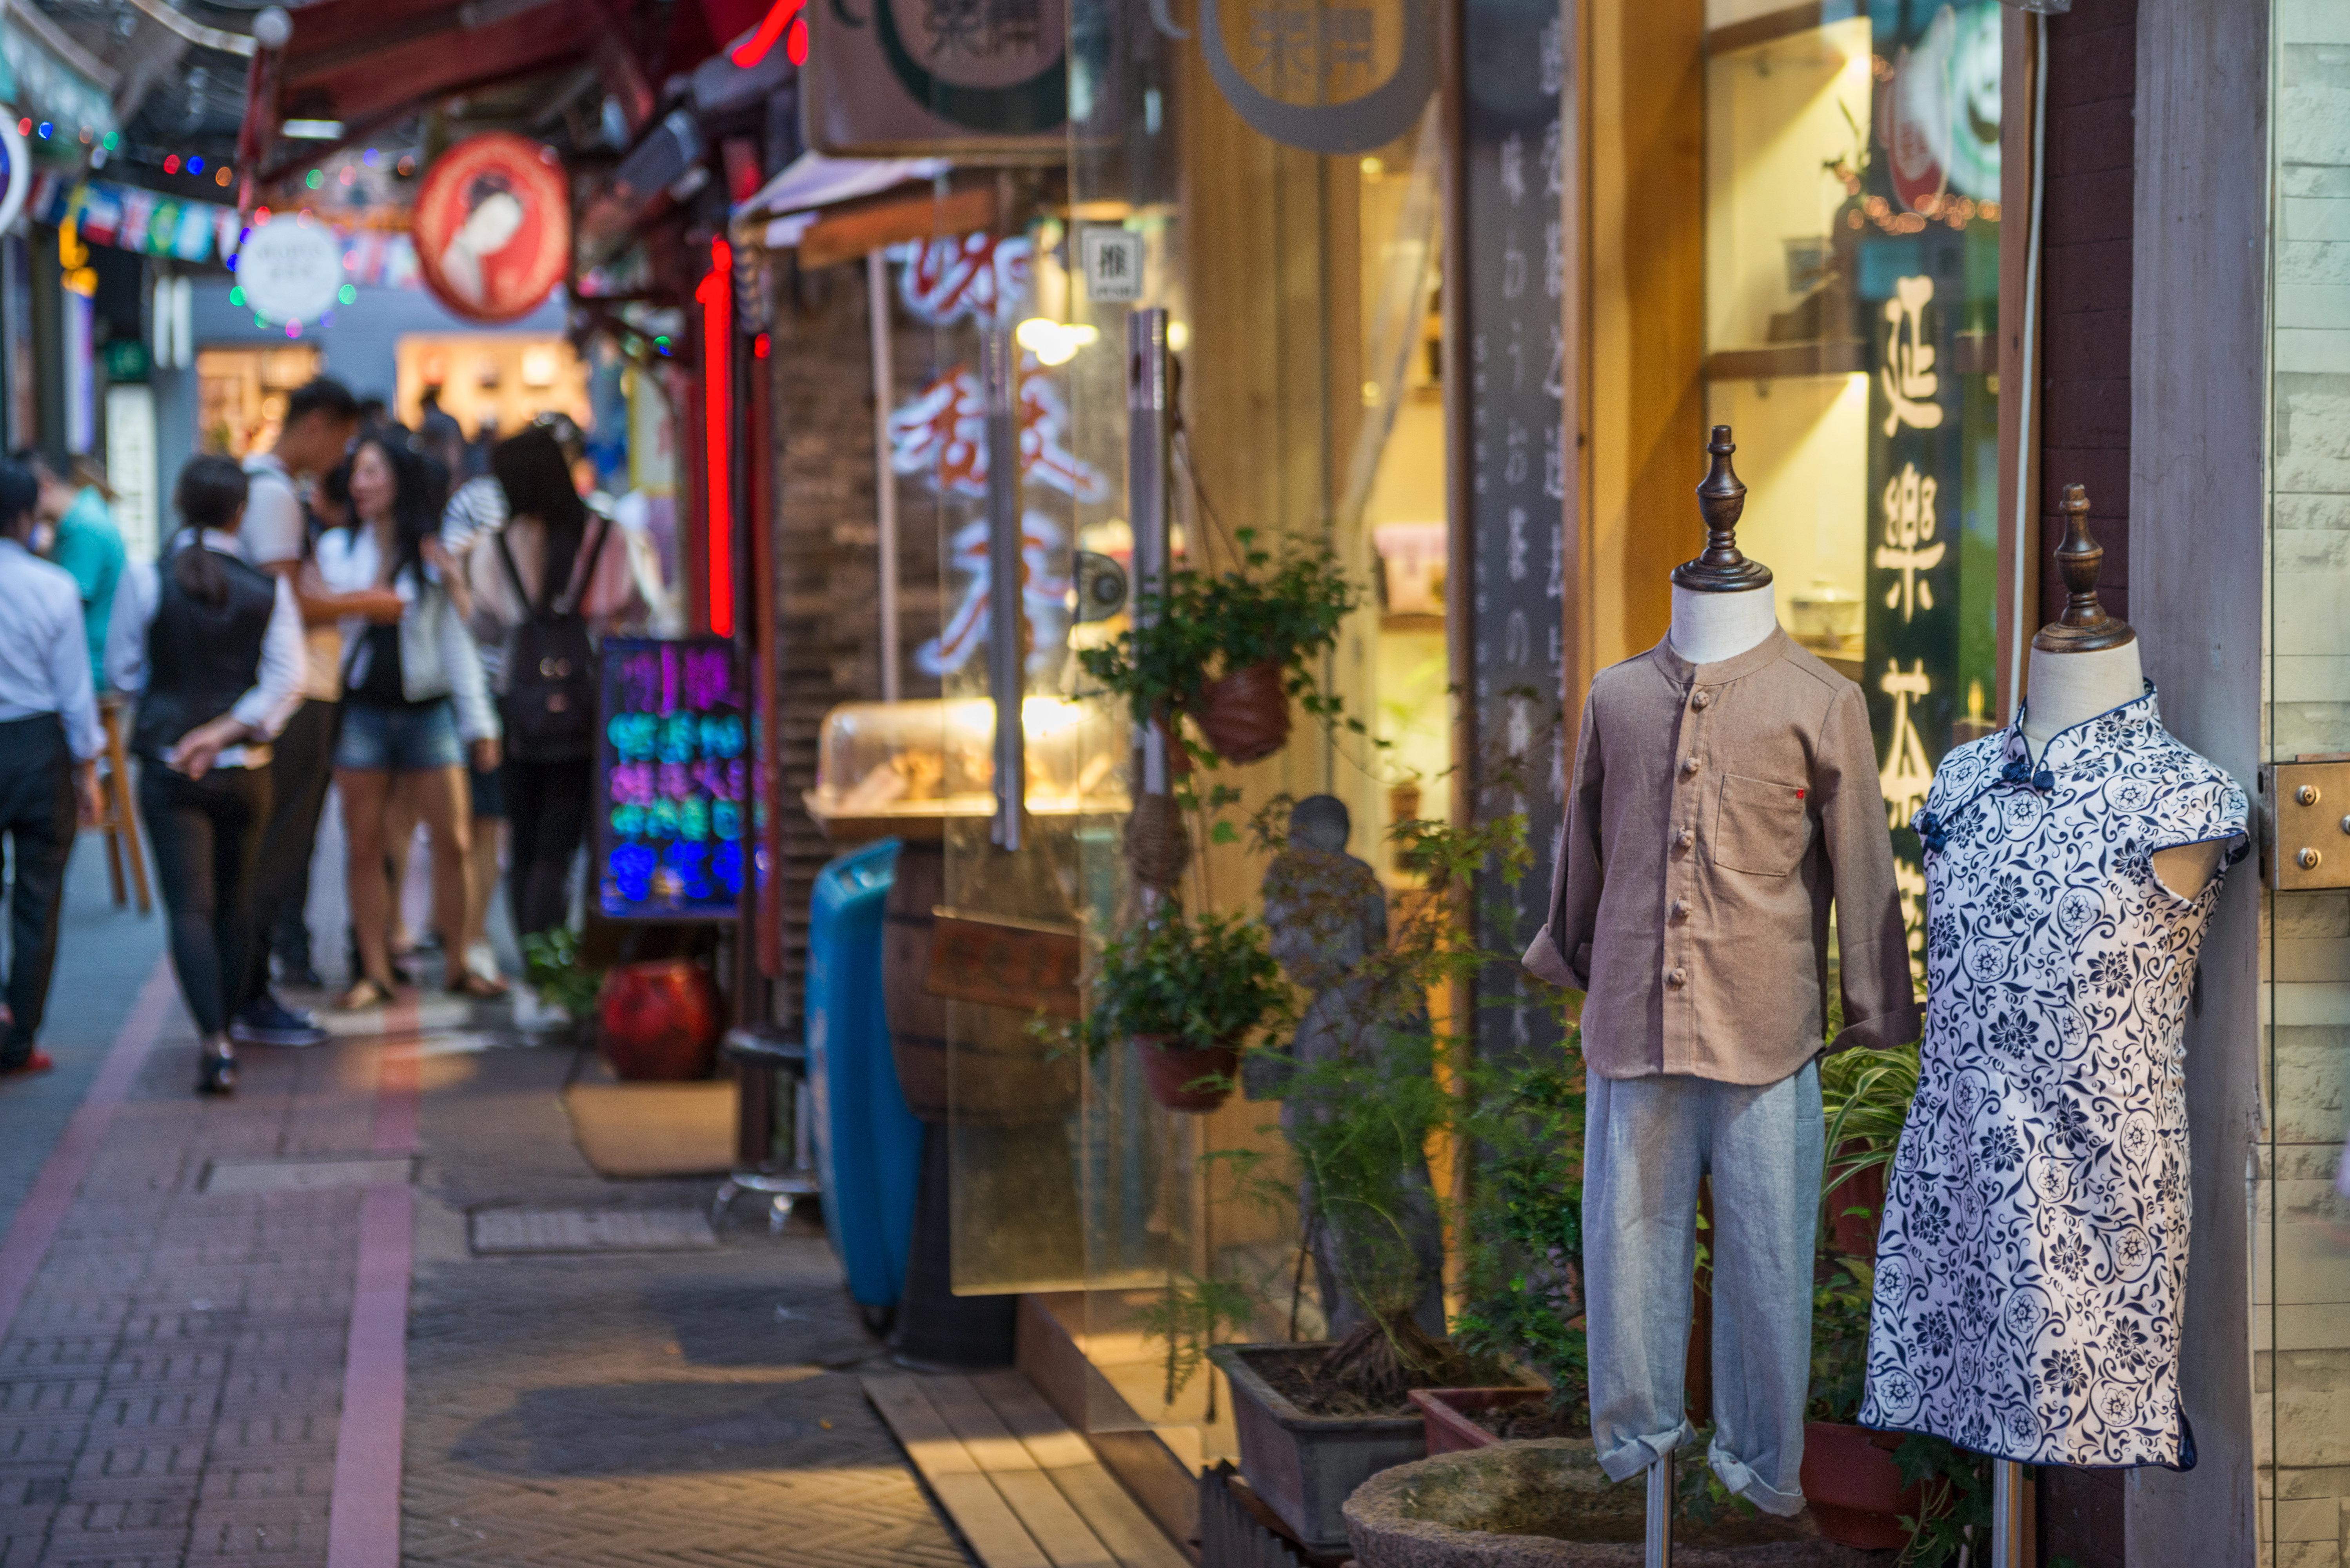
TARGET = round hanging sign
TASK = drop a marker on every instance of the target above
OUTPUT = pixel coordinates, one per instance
(492, 226)
(20, 174)
(289, 269)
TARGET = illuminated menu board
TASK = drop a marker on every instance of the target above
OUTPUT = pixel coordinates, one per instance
(672, 779)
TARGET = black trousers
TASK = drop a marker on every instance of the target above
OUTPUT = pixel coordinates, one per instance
(546, 819)
(207, 835)
(302, 764)
(36, 813)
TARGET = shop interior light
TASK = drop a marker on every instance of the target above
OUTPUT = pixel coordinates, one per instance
(1053, 342)
(717, 295)
(313, 130)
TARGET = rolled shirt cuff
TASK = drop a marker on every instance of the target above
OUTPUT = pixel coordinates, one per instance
(1882, 1032)
(1547, 962)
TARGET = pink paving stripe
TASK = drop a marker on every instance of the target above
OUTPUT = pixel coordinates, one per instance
(43, 1208)
(363, 1519)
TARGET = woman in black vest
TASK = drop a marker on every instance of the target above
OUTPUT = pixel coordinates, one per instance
(213, 648)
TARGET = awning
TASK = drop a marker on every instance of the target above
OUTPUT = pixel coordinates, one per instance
(791, 203)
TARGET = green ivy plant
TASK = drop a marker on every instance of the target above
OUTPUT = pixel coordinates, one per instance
(1200, 984)
(1283, 609)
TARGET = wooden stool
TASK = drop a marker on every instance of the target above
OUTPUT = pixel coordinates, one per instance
(120, 822)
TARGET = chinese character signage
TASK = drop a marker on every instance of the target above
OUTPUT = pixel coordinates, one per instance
(1514, 130)
(674, 807)
(959, 77)
(1308, 75)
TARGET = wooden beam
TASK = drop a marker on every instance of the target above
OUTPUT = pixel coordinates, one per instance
(859, 227)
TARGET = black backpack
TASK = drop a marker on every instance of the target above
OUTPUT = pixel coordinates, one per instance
(549, 707)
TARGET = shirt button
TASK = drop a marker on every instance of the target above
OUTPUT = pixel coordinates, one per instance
(1689, 765)
(1702, 699)
(1680, 908)
(1688, 836)
(1678, 978)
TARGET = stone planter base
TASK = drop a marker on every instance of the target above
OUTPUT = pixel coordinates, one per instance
(1304, 1466)
(1546, 1504)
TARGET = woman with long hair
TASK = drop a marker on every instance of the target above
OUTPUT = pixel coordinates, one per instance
(213, 648)
(564, 569)
(414, 705)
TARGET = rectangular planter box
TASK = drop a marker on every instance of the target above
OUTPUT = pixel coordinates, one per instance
(1450, 1414)
(1304, 1466)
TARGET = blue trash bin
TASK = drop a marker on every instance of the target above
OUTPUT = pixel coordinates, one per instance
(868, 1146)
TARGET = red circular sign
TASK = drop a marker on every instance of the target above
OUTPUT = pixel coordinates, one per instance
(492, 226)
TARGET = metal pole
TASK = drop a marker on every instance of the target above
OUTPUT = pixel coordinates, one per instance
(2007, 1493)
(1149, 408)
(884, 478)
(1660, 1513)
(1007, 676)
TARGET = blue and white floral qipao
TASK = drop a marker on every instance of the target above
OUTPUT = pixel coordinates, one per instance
(2032, 1262)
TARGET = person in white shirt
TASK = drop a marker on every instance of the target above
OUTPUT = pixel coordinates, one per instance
(211, 648)
(415, 707)
(49, 741)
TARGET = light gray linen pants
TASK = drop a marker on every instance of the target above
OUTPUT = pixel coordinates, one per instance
(1646, 1143)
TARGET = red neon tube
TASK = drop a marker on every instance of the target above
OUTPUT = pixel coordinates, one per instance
(717, 297)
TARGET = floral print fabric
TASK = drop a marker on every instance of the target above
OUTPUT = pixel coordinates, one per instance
(2033, 1261)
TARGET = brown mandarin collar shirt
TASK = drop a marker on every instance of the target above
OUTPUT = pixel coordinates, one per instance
(1716, 810)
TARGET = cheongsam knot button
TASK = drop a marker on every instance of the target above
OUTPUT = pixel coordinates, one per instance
(2045, 782)
(1931, 833)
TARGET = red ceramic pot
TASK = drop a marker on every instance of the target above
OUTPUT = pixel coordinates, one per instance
(1854, 1489)
(660, 1021)
(1245, 715)
(1174, 1076)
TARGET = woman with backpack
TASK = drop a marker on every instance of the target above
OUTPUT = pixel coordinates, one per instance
(415, 707)
(547, 587)
(213, 648)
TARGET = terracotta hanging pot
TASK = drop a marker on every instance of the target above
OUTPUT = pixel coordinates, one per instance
(660, 1021)
(1853, 1488)
(1245, 715)
(1174, 1074)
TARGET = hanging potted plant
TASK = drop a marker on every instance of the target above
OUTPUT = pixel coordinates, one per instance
(1232, 649)
(1186, 993)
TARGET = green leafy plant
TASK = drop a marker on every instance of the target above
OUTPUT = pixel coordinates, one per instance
(1197, 983)
(551, 964)
(1189, 1319)
(1865, 1095)
(1524, 1233)
(1284, 609)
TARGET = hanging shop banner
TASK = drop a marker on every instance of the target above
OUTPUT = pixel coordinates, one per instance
(289, 270)
(492, 226)
(1305, 73)
(1919, 234)
(1512, 122)
(673, 796)
(908, 78)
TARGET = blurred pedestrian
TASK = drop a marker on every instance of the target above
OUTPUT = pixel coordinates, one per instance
(414, 706)
(546, 588)
(438, 436)
(49, 741)
(84, 540)
(279, 537)
(213, 648)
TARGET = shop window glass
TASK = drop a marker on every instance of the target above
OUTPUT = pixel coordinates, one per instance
(1852, 295)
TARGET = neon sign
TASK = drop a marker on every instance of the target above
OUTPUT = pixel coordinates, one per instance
(674, 810)
(786, 19)
(716, 293)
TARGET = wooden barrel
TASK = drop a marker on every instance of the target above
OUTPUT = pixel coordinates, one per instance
(1004, 1077)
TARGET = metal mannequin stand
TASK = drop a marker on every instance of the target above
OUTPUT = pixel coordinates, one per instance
(2007, 1495)
(1660, 1513)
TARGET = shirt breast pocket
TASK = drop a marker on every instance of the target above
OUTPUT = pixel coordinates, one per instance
(1760, 828)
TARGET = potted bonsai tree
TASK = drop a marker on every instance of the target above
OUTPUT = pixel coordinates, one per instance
(1231, 648)
(1186, 993)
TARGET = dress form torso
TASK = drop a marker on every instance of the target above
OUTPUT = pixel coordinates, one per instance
(2069, 688)
(1708, 628)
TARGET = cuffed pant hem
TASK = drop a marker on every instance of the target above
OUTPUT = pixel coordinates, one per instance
(1745, 1483)
(1633, 1455)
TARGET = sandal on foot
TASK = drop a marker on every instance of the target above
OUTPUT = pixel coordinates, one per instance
(481, 987)
(364, 994)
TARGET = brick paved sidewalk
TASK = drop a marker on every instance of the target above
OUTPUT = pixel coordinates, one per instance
(207, 1358)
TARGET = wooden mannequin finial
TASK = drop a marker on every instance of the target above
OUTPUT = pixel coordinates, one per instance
(2084, 626)
(1722, 569)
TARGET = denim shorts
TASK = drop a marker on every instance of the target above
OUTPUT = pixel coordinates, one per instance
(413, 738)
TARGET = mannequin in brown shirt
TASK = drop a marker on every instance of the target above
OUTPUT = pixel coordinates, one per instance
(1725, 794)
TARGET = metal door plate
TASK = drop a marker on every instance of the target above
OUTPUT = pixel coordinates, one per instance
(2313, 824)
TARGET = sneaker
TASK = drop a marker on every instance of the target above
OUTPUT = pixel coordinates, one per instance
(266, 1021)
(300, 974)
(38, 1061)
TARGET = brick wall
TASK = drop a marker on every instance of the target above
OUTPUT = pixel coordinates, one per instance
(2084, 435)
(2085, 377)
(827, 579)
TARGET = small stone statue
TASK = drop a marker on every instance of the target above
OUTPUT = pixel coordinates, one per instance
(1326, 911)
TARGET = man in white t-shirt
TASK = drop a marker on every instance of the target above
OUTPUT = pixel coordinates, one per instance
(320, 420)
